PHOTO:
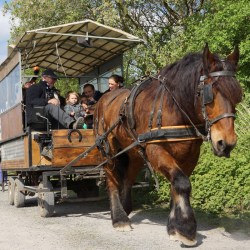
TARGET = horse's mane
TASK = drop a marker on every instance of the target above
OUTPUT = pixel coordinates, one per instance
(183, 78)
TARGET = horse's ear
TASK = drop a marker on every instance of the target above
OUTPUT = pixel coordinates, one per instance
(208, 60)
(234, 56)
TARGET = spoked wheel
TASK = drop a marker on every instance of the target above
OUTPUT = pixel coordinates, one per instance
(19, 197)
(46, 201)
(11, 190)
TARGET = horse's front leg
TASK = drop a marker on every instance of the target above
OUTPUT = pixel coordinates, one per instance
(130, 170)
(181, 222)
(119, 216)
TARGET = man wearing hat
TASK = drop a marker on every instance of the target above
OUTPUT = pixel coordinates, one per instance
(45, 94)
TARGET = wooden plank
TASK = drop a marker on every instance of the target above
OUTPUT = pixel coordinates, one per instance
(13, 164)
(60, 138)
(12, 123)
(5, 69)
(64, 150)
(26, 151)
(62, 156)
(37, 158)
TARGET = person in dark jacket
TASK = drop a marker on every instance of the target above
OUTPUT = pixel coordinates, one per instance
(45, 94)
(92, 94)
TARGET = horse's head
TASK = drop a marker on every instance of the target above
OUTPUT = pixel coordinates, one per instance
(220, 92)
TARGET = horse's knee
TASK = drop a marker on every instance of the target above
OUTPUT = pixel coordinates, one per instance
(181, 183)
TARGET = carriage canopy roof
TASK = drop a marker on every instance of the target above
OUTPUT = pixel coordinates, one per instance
(73, 49)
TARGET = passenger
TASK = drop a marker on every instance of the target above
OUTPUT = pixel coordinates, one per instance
(84, 99)
(73, 107)
(45, 94)
(26, 85)
(84, 103)
(29, 83)
(115, 82)
(92, 95)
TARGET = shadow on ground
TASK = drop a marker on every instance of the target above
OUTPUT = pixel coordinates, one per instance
(236, 228)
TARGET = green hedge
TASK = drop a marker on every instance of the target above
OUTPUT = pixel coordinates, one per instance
(222, 185)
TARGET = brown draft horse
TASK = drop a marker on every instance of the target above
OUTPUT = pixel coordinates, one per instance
(162, 123)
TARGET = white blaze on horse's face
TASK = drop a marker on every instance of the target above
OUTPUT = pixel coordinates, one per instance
(220, 111)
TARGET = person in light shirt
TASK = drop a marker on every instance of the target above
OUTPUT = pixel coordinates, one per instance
(115, 82)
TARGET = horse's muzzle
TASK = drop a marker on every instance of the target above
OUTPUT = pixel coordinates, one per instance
(223, 149)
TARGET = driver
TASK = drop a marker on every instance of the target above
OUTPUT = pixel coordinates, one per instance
(45, 94)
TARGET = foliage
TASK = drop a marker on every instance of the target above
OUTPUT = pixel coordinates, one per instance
(28, 14)
(65, 85)
(170, 28)
(223, 24)
(223, 185)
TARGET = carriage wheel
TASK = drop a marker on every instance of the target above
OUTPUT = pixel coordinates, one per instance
(11, 190)
(46, 201)
(19, 197)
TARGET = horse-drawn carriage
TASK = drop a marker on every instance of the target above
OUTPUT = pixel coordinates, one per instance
(87, 51)
(162, 122)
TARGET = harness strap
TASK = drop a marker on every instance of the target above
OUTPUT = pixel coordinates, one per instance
(218, 73)
(134, 144)
(170, 133)
(159, 113)
(143, 156)
(198, 133)
(151, 116)
(219, 117)
(131, 100)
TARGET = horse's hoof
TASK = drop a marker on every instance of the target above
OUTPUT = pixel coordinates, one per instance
(123, 226)
(185, 241)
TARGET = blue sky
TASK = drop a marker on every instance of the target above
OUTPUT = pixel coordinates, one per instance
(4, 33)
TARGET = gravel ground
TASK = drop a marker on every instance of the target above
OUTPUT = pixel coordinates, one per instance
(87, 225)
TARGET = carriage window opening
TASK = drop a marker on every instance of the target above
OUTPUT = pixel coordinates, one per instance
(10, 90)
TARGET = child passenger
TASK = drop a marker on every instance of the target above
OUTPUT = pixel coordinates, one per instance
(84, 103)
(73, 107)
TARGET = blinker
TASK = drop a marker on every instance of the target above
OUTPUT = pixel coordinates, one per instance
(208, 96)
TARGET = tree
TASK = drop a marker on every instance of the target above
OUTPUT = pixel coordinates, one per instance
(170, 28)
(44, 13)
(223, 24)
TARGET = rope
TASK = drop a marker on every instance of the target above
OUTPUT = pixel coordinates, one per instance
(60, 61)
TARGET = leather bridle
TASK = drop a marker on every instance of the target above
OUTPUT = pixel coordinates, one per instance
(205, 91)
